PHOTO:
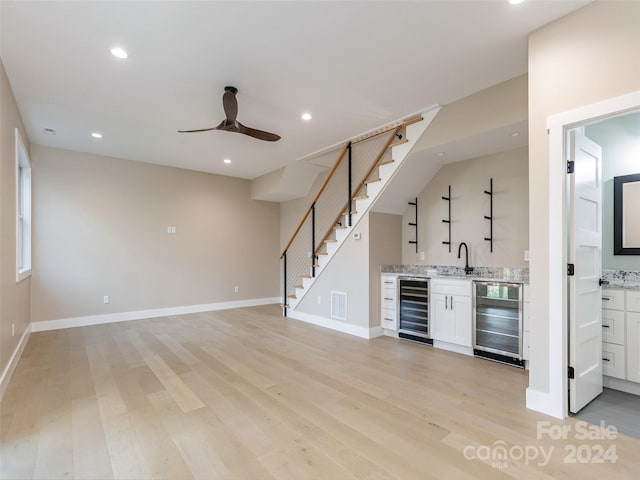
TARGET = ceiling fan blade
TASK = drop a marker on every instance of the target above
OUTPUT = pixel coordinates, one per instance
(259, 134)
(220, 126)
(198, 130)
(230, 104)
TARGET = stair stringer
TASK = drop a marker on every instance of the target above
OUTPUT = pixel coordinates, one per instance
(387, 172)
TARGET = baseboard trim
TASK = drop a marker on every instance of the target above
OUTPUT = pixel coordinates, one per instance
(622, 385)
(143, 314)
(13, 361)
(452, 347)
(543, 402)
(362, 332)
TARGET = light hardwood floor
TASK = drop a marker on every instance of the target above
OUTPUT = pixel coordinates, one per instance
(245, 394)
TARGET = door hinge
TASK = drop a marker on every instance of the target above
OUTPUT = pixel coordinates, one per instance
(571, 269)
(571, 166)
(572, 373)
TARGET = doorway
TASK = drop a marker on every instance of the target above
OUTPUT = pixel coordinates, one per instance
(614, 397)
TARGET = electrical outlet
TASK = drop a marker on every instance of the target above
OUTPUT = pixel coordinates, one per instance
(421, 255)
(526, 255)
(171, 229)
(236, 289)
(106, 299)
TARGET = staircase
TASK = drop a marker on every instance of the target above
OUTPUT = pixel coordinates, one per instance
(363, 169)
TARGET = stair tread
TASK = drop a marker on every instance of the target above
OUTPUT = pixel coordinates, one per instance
(299, 286)
(329, 240)
(361, 197)
(399, 142)
(340, 228)
(292, 296)
(353, 212)
(386, 162)
(373, 180)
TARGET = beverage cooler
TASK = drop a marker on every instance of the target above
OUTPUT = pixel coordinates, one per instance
(497, 322)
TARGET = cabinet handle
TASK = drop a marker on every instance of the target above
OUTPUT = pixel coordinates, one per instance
(451, 302)
(606, 298)
(388, 298)
(388, 283)
(606, 359)
(446, 303)
(388, 319)
(605, 326)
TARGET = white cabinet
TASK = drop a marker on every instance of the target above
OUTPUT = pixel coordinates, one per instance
(526, 322)
(614, 358)
(633, 336)
(451, 311)
(389, 302)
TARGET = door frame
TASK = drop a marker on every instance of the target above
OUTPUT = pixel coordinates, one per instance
(558, 125)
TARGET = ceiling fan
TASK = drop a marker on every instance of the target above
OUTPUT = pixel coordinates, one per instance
(230, 124)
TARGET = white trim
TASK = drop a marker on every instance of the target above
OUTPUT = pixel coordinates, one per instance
(621, 385)
(23, 161)
(13, 361)
(362, 332)
(555, 401)
(452, 347)
(143, 314)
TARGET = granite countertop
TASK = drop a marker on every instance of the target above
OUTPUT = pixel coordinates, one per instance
(622, 279)
(502, 274)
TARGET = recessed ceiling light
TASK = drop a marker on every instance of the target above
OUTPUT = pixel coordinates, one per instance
(119, 52)
(440, 154)
(515, 2)
(514, 134)
(227, 161)
(96, 135)
(306, 116)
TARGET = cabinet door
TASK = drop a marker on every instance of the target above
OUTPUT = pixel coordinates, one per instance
(440, 317)
(633, 346)
(460, 324)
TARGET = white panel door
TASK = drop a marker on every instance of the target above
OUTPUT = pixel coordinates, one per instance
(585, 252)
(460, 332)
(440, 317)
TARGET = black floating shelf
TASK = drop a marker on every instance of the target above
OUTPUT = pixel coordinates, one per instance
(490, 217)
(448, 220)
(415, 224)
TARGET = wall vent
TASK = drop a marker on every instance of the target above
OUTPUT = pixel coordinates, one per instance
(339, 305)
(49, 131)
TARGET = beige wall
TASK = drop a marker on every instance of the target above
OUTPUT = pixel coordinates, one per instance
(468, 180)
(588, 56)
(100, 228)
(14, 297)
(385, 248)
(355, 270)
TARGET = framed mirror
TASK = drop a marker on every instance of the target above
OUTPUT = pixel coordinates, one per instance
(626, 215)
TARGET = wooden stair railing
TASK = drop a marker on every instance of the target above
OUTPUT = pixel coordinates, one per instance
(343, 212)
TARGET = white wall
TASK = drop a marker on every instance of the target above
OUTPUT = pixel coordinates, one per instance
(619, 138)
(469, 179)
(583, 58)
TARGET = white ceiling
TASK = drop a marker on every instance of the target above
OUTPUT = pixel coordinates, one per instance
(354, 65)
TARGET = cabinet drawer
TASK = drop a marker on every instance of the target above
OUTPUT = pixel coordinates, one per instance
(388, 301)
(388, 319)
(613, 299)
(633, 301)
(613, 326)
(613, 360)
(389, 281)
(451, 287)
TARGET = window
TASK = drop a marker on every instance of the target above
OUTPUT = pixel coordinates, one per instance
(23, 210)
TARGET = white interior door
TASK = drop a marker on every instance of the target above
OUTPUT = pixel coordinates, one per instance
(585, 252)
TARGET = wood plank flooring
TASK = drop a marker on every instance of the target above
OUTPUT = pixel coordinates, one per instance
(246, 394)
